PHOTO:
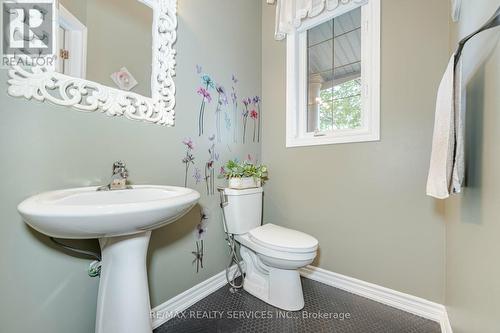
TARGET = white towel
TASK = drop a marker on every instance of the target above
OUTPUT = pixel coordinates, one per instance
(457, 177)
(446, 170)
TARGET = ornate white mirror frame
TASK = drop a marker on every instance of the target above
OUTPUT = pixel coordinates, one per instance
(44, 84)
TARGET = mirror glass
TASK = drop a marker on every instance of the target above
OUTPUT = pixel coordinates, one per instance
(106, 41)
(334, 74)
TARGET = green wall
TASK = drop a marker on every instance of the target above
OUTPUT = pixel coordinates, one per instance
(473, 226)
(366, 202)
(45, 147)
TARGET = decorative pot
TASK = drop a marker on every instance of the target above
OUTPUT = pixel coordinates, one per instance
(245, 182)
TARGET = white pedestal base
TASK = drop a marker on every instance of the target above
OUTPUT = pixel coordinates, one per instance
(123, 300)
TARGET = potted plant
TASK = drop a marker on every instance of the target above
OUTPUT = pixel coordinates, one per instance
(244, 175)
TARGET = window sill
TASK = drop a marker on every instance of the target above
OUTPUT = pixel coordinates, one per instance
(349, 136)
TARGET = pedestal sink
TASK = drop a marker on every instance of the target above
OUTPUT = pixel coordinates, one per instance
(122, 220)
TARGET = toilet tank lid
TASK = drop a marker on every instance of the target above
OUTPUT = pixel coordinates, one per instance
(247, 191)
(284, 239)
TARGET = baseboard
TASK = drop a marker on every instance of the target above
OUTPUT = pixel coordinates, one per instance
(412, 304)
(166, 311)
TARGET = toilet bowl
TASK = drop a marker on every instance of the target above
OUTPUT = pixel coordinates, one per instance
(272, 254)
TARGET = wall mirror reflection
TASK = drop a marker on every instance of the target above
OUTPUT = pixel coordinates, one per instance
(112, 56)
(97, 38)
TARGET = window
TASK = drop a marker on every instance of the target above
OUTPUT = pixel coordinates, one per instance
(333, 77)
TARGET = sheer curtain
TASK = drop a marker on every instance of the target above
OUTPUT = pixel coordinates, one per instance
(291, 13)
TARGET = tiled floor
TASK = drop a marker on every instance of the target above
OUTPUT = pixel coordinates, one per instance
(343, 313)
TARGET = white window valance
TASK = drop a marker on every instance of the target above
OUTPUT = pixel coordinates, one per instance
(291, 13)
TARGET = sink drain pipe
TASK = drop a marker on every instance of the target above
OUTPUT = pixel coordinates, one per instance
(95, 266)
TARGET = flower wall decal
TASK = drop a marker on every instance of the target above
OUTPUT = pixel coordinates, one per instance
(246, 102)
(204, 92)
(209, 91)
(234, 100)
(232, 112)
(254, 115)
(256, 102)
(201, 228)
(207, 81)
(227, 120)
(189, 158)
(221, 101)
(199, 234)
(197, 175)
(210, 167)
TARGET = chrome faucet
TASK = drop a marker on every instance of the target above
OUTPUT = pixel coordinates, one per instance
(118, 179)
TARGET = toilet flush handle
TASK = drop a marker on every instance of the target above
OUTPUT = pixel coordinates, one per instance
(223, 197)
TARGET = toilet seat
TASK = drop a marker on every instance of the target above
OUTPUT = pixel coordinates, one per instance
(283, 239)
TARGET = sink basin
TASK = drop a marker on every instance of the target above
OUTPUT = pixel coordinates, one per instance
(122, 220)
(87, 213)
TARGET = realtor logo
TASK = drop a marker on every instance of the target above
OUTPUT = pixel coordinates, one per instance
(28, 29)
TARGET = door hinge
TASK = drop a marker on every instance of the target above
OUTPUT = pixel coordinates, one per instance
(64, 54)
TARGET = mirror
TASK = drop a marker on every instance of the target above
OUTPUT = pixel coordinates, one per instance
(113, 56)
(96, 39)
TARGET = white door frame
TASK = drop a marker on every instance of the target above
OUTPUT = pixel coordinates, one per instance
(78, 42)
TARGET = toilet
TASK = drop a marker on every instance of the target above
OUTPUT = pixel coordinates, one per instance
(272, 254)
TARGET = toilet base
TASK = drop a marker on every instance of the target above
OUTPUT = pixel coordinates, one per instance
(281, 288)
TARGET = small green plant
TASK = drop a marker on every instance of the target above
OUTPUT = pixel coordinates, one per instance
(234, 169)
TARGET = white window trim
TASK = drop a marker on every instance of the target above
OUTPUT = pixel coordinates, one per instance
(296, 83)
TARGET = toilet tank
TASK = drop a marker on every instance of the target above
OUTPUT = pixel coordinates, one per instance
(243, 210)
